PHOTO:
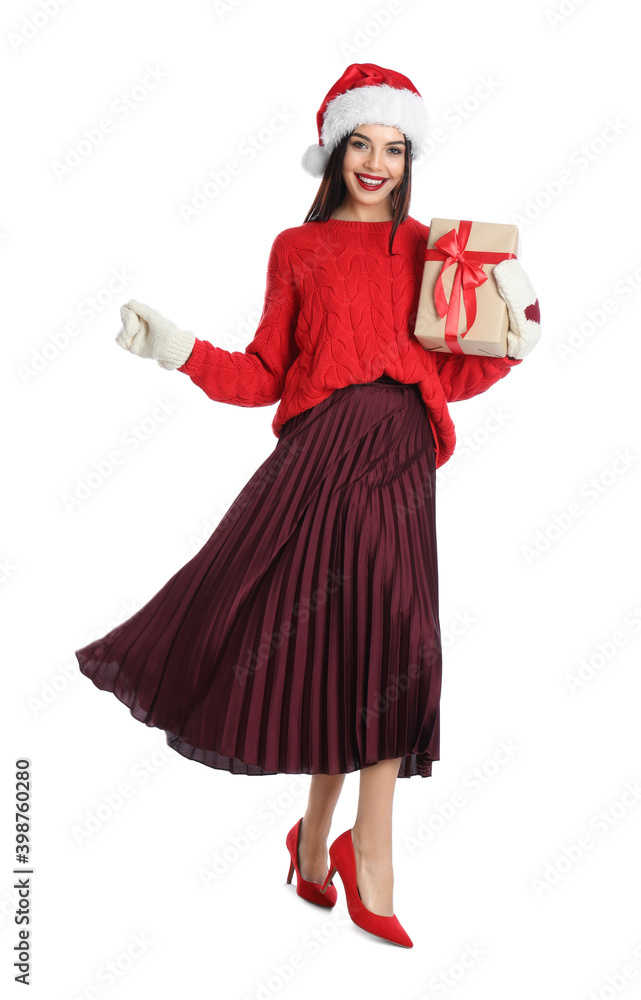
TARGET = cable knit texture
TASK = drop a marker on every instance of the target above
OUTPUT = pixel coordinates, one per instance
(338, 310)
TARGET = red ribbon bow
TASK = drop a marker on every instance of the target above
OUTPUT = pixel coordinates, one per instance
(469, 274)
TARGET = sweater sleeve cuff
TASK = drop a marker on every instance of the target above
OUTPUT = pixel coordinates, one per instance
(194, 363)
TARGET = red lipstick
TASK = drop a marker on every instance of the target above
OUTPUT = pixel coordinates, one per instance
(370, 187)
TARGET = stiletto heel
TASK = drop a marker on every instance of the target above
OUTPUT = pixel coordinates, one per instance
(330, 875)
(311, 891)
(343, 861)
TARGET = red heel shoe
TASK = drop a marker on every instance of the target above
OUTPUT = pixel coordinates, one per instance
(343, 860)
(311, 891)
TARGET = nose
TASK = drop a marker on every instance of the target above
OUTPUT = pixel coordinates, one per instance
(373, 161)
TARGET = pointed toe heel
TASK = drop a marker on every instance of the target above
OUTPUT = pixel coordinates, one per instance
(343, 860)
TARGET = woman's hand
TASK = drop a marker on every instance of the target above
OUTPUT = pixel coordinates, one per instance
(522, 305)
(149, 335)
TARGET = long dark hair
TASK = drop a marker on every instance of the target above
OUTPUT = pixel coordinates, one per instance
(332, 189)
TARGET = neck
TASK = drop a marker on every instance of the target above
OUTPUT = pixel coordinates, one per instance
(351, 211)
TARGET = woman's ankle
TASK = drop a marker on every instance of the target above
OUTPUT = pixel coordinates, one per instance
(373, 849)
(315, 832)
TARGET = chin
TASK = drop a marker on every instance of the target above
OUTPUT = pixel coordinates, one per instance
(365, 199)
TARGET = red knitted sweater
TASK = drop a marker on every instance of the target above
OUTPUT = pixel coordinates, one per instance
(338, 310)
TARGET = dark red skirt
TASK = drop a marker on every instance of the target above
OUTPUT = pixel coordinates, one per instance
(304, 636)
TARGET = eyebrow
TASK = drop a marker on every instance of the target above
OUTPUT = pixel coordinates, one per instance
(399, 142)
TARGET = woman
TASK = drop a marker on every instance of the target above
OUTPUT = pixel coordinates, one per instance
(304, 636)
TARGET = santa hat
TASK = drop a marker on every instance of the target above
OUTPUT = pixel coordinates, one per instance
(367, 94)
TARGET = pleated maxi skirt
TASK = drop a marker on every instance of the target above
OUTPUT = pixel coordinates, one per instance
(304, 636)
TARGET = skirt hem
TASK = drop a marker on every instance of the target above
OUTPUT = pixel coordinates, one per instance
(235, 765)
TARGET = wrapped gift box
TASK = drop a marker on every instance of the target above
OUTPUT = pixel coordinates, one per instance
(460, 310)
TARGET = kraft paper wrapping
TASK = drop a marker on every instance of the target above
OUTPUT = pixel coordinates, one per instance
(487, 335)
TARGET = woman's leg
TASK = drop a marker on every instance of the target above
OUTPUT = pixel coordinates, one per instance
(313, 858)
(372, 836)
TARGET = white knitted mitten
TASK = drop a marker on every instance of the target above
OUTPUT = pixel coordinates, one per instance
(149, 335)
(522, 306)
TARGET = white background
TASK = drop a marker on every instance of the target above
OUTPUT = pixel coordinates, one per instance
(499, 877)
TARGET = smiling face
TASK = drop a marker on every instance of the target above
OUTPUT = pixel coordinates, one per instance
(373, 163)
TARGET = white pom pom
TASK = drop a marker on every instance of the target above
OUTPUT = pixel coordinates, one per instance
(315, 160)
